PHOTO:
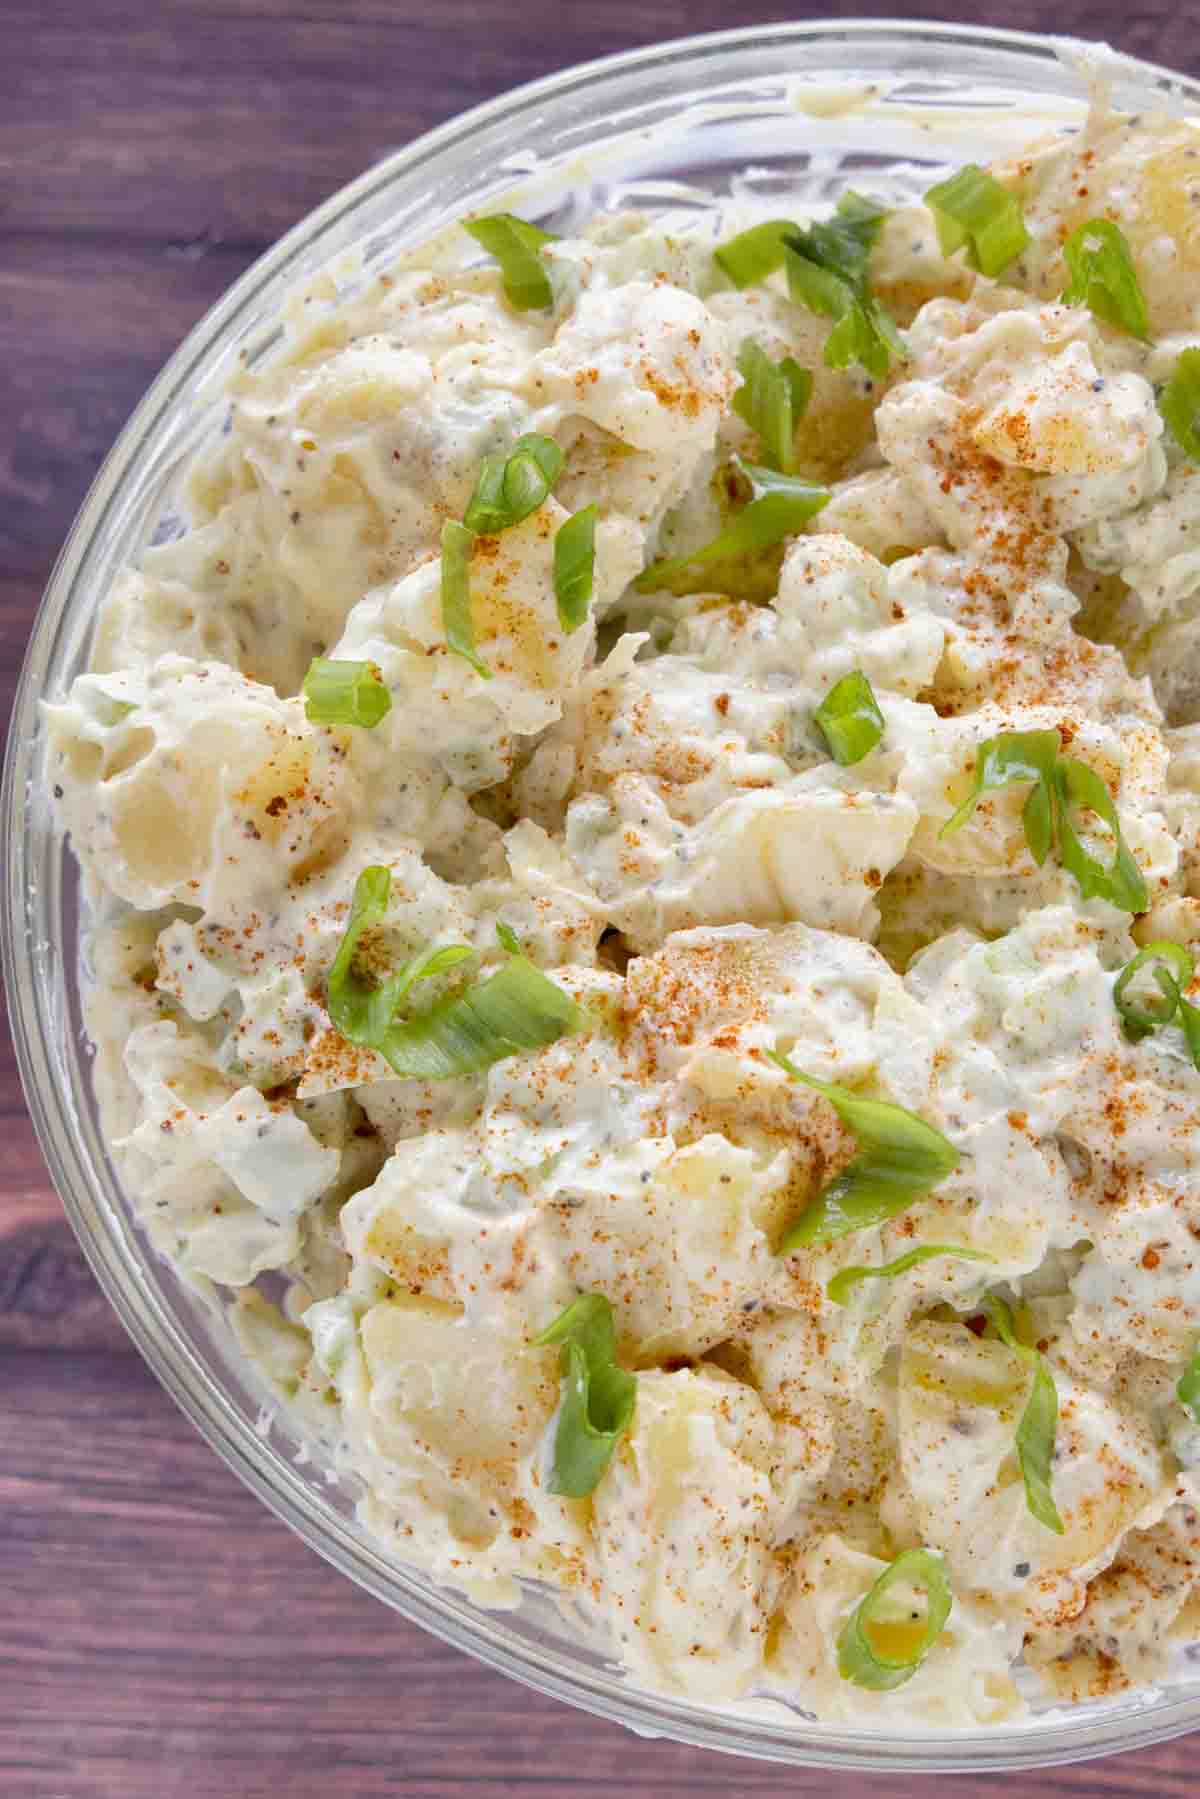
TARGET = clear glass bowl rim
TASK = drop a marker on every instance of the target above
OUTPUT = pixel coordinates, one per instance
(31, 892)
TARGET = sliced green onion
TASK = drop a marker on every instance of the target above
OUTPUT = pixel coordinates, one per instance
(900, 1158)
(1103, 277)
(754, 254)
(515, 1010)
(1038, 1427)
(1189, 1018)
(1188, 1388)
(827, 272)
(863, 332)
(575, 567)
(999, 761)
(846, 1279)
(843, 242)
(1120, 883)
(597, 1401)
(1061, 786)
(348, 998)
(782, 505)
(516, 244)
(1172, 968)
(850, 720)
(534, 465)
(487, 510)
(772, 399)
(362, 1011)
(457, 543)
(345, 693)
(1179, 403)
(510, 487)
(822, 290)
(881, 1652)
(972, 209)
(508, 938)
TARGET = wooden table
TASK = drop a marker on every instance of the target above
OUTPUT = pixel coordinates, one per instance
(161, 1636)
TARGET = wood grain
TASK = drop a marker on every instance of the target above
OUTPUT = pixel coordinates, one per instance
(160, 1634)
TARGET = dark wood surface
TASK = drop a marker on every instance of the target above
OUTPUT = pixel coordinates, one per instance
(161, 1636)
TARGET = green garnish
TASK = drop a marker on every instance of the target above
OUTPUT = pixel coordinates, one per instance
(781, 506)
(1038, 1427)
(1189, 1018)
(575, 567)
(772, 399)
(345, 693)
(1179, 403)
(881, 1652)
(457, 544)
(515, 244)
(839, 1288)
(843, 242)
(596, 1407)
(849, 718)
(518, 1008)
(1121, 883)
(827, 272)
(1187, 1390)
(900, 1159)
(360, 1010)
(1061, 786)
(1103, 277)
(510, 487)
(754, 254)
(972, 210)
(999, 761)
(1173, 968)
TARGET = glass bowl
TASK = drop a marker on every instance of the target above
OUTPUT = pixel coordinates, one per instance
(810, 102)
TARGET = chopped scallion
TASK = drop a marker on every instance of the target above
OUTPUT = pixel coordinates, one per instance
(1038, 1426)
(517, 1008)
(882, 1643)
(754, 254)
(849, 719)
(846, 1279)
(1000, 761)
(1189, 1018)
(772, 399)
(973, 211)
(1100, 264)
(1062, 787)
(362, 1010)
(781, 506)
(900, 1159)
(827, 272)
(1172, 968)
(1187, 1389)
(597, 1401)
(345, 693)
(511, 487)
(575, 567)
(1179, 403)
(516, 245)
(458, 541)
(1078, 787)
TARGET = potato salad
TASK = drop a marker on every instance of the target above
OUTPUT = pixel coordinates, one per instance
(643, 854)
